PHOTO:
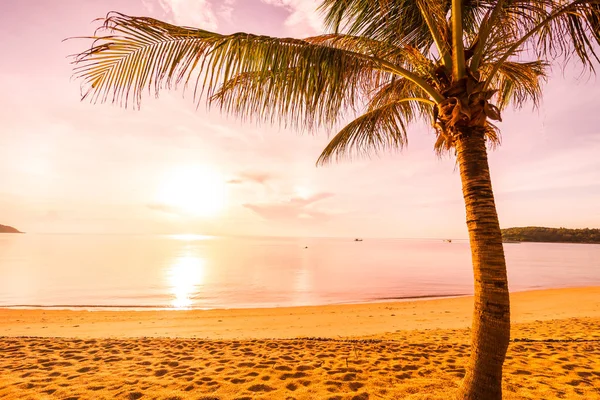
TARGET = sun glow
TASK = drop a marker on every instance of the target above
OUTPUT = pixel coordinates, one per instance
(185, 275)
(195, 190)
(302, 192)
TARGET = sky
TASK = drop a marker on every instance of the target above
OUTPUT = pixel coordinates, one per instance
(68, 166)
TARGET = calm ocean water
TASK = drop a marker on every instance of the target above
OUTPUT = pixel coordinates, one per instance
(211, 272)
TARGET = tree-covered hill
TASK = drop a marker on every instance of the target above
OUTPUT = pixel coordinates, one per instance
(557, 235)
(8, 229)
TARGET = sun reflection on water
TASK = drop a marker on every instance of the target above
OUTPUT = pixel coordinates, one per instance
(186, 273)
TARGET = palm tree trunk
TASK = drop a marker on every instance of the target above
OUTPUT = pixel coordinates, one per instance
(491, 318)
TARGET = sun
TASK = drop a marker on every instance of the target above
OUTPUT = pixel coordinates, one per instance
(194, 190)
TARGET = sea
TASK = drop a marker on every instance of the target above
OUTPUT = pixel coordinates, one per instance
(139, 272)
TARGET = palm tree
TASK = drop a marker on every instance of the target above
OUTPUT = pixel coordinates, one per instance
(455, 64)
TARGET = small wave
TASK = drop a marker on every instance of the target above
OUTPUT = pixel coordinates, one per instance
(94, 307)
(167, 307)
(421, 297)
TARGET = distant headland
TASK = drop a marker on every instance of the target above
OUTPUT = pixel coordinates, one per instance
(551, 235)
(8, 229)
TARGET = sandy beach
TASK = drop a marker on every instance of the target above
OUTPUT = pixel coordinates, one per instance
(393, 350)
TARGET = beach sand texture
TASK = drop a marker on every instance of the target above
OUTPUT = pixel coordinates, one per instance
(554, 353)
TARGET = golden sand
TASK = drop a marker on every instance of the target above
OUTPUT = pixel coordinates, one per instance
(412, 350)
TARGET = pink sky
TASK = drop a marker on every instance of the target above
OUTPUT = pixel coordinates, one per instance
(69, 166)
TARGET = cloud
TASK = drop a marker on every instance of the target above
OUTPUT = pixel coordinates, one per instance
(163, 208)
(251, 177)
(295, 208)
(195, 13)
(226, 9)
(303, 15)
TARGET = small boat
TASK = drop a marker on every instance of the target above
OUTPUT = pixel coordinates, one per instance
(448, 240)
(358, 240)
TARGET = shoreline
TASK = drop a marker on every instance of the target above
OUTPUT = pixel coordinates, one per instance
(141, 308)
(170, 308)
(343, 320)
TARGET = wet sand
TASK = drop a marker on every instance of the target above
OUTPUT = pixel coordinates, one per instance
(413, 350)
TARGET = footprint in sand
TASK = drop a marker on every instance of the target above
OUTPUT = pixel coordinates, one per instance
(246, 365)
(295, 375)
(261, 388)
(522, 372)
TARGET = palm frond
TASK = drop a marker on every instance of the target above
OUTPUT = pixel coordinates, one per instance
(138, 54)
(379, 129)
(395, 21)
(435, 17)
(551, 30)
(518, 83)
(381, 20)
(397, 90)
(458, 50)
(143, 53)
(397, 59)
(287, 97)
(492, 135)
(393, 53)
(571, 30)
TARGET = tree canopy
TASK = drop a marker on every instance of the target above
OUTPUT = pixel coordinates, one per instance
(8, 229)
(383, 64)
(557, 235)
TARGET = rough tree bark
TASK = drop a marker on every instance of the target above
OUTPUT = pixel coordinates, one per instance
(491, 317)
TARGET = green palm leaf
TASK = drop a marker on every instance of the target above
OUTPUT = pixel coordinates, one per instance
(145, 54)
(519, 83)
(379, 129)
